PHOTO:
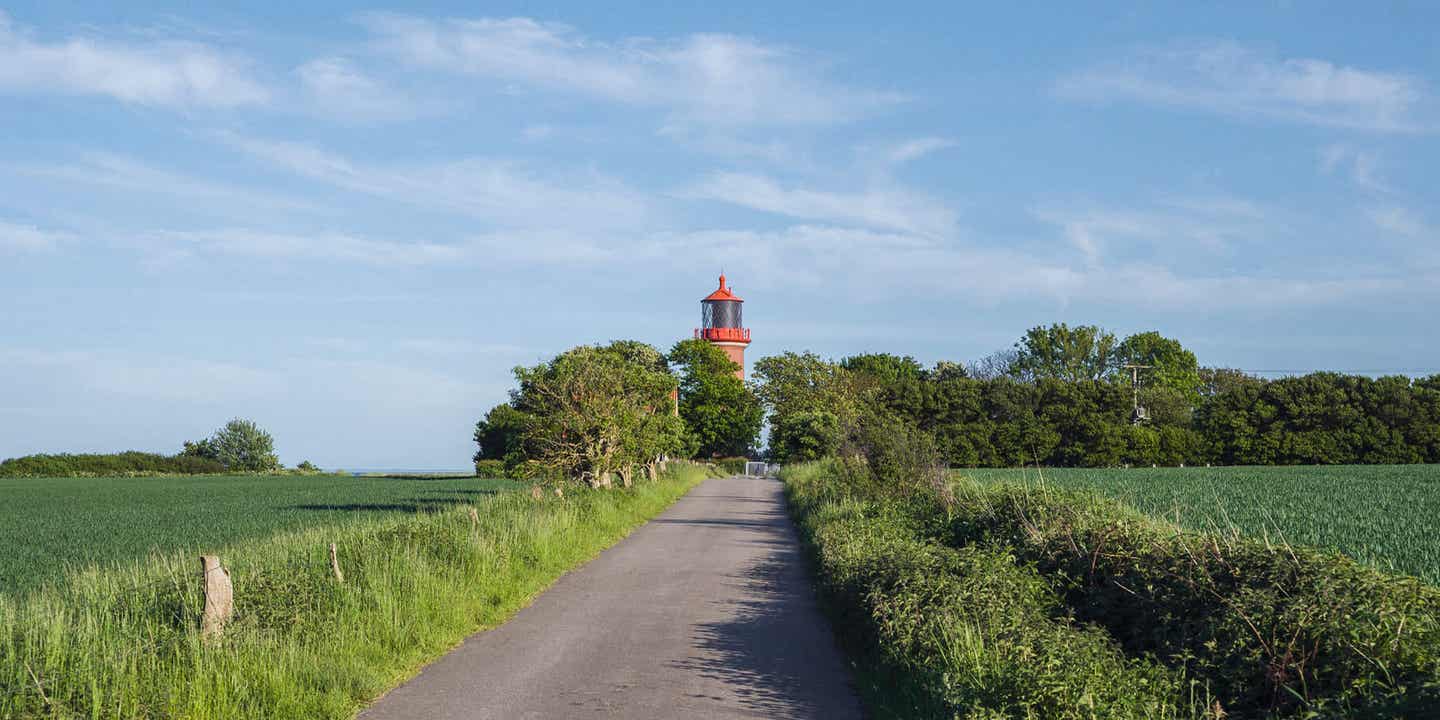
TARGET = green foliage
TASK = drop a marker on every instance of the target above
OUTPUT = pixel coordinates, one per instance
(1324, 419)
(731, 465)
(500, 436)
(241, 445)
(594, 411)
(723, 416)
(804, 435)
(1196, 417)
(1172, 367)
(1060, 352)
(202, 448)
(1001, 600)
(489, 469)
(114, 465)
(122, 642)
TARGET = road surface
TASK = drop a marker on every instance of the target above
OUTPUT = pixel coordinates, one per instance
(705, 612)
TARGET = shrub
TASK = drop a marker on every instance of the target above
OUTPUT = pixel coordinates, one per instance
(1020, 601)
(489, 468)
(732, 465)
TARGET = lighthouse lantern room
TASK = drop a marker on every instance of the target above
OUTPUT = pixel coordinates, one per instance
(721, 324)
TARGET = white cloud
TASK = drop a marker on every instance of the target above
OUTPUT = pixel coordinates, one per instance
(28, 238)
(708, 78)
(1229, 79)
(328, 247)
(121, 172)
(886, 207)
(158, 72)
(917, 148)
(505, 193)
(336, 86)
(1363, 168)
(1210, 224)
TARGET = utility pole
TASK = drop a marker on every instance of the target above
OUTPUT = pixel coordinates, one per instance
(1137, 413)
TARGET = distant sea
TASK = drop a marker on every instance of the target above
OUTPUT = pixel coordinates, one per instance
(409, 471)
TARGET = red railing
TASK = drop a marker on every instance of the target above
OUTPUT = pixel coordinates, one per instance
(724, 334)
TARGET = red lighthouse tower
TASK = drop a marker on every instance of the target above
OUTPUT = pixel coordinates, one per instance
(720, 323)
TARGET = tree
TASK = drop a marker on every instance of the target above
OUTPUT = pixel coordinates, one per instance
(501, 435)
(722, 414)
(242, 445)
(593, 410)
(1084, 352)
(1171, 365)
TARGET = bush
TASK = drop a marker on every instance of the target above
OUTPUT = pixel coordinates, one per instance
(732, 465)
(490, 469)
(1019, 601)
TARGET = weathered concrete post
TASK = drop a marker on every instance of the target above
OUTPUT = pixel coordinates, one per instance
(219, 597)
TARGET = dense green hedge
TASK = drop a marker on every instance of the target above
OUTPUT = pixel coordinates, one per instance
(1322, 418)
(1011, 601)
(124, 463)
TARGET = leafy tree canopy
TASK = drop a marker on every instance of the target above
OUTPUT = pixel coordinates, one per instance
(243, 445)
(1061, 352)
(722, 414)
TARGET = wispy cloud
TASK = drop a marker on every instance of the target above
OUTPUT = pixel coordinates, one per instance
(708, 78)
(886, 207)
(503, 192)
(19, 237)
(1229, 79)
(1209, 224)
(1362, 167)
(127, 174)
(337, 87)
(153, 72)
(281, 246)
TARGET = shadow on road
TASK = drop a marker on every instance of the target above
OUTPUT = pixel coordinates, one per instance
(766, 651)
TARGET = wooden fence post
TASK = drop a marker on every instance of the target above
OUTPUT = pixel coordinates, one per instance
(335, 565)
(219, 597)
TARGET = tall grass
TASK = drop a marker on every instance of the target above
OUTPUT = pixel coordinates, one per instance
(122, 643)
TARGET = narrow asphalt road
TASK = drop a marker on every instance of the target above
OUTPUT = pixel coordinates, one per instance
(706, 612)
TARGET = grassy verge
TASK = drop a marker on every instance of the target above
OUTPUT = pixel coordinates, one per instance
(1017, 601)
(121, 643)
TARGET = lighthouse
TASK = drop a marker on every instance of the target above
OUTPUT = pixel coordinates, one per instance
(720, 323)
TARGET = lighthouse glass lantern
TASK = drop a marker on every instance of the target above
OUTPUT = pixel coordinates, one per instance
(721, 324)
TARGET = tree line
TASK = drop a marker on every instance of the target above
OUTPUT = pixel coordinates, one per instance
(1062, 396)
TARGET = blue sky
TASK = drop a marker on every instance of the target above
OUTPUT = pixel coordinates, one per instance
(349, 223)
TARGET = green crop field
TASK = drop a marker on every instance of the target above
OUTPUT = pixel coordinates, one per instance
(49, 526)
(1385, 515)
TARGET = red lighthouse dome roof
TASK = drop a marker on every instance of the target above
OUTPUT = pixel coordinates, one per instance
(722, 294)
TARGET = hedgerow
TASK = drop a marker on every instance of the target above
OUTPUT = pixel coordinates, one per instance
(93, 465)
(973, 600)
